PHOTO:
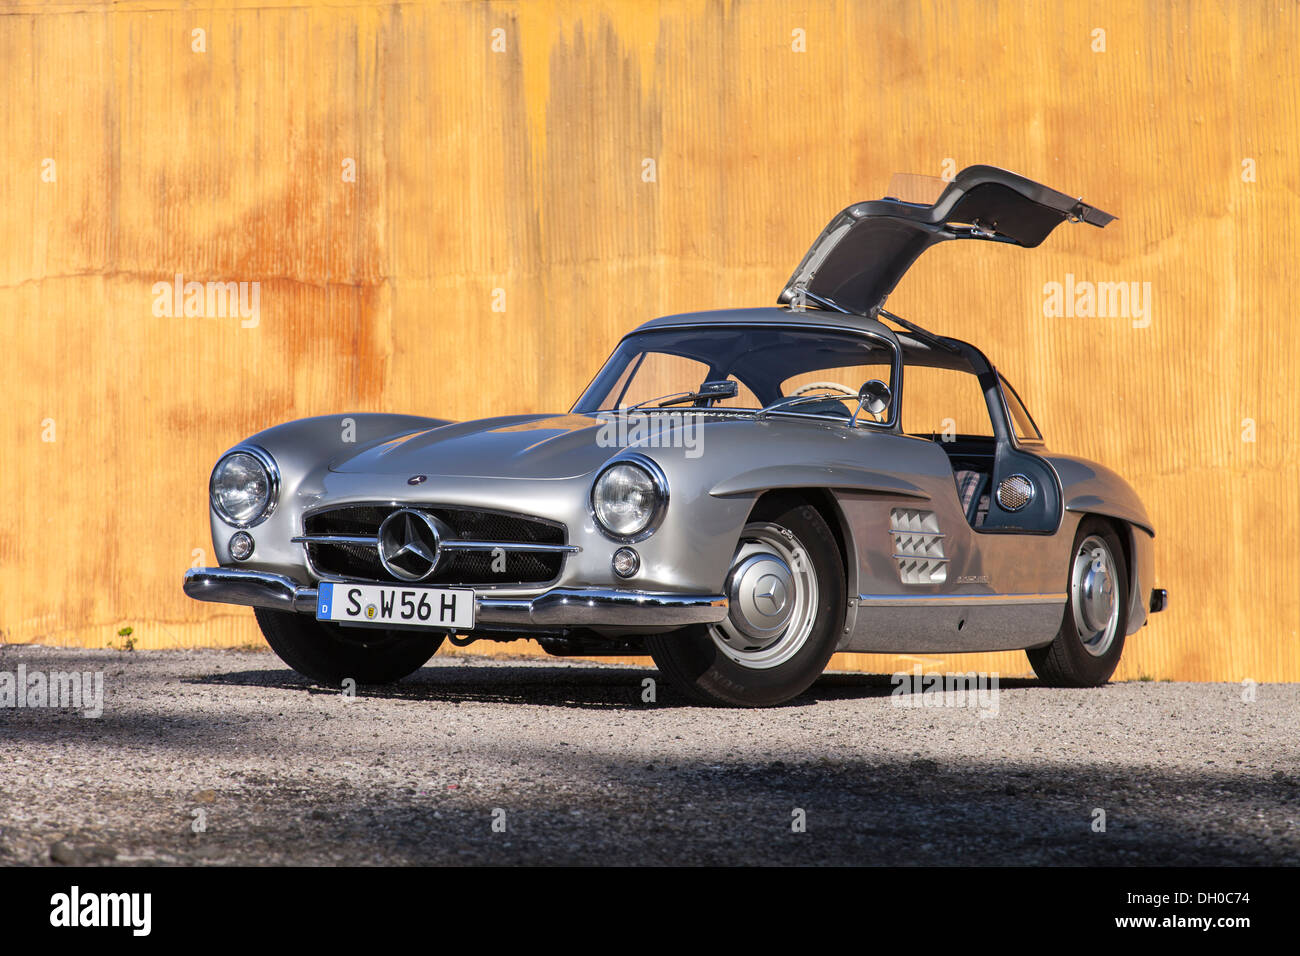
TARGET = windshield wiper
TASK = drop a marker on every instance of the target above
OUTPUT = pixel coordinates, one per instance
(783, 403)
(709, 390)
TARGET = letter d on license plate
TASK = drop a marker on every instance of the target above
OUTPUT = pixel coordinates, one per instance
(444, 608)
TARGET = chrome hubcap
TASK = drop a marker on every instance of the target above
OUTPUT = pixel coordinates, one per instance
(760, 595)
(1094, 592)
(773, 595)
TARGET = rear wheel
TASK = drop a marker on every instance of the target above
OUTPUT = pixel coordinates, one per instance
(786, 592)
(1088, 646)
(331, 654)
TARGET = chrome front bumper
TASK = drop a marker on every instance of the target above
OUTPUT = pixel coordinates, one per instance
(558, 607)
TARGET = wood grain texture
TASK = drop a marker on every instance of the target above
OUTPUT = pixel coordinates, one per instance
(522, 171)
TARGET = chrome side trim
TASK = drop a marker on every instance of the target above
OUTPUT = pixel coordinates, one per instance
(558, 607)
(956, 600)
(990, 624)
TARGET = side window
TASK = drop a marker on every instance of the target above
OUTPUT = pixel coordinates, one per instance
(943, 402)
(845, 380)
(851, 378)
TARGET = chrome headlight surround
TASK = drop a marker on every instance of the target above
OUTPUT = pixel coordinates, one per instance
(654, 516)
(272, 475)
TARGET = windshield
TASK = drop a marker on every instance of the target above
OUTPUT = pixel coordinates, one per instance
(767, 364)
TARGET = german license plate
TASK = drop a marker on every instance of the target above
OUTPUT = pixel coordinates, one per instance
(444, 608)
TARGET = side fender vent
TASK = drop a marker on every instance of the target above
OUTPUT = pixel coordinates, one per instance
(918, 546)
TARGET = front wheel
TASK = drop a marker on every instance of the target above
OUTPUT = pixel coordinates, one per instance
(786, 594)
(1087, 648)
(331, 654)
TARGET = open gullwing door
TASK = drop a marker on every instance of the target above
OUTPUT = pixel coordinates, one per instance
(859, 258)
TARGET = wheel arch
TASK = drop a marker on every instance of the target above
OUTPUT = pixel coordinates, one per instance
(824, 501)
(1134, 539)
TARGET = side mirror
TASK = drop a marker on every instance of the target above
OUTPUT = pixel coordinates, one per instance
(874, 396)
(718, 389)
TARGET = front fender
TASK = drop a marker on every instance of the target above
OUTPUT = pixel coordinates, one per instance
(302, 451)
(839, 475)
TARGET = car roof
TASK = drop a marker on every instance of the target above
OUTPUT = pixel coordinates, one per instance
(771, 315)
(922, 349)
(916, 351)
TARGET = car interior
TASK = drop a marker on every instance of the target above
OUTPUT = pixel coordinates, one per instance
(944, 402)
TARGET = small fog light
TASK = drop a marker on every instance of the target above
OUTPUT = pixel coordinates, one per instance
(626, 562)
(241, 545)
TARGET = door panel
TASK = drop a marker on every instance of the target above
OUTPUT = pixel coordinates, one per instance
(929, 582)
(1041, 513)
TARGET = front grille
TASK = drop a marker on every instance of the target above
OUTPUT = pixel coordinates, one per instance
(350, 560)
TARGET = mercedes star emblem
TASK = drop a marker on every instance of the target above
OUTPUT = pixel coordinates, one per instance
(408, 544)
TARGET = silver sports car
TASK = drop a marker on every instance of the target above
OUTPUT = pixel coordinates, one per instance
(738, 494)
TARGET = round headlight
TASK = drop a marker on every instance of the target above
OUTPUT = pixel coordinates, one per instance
(628, 498)
(243, 488)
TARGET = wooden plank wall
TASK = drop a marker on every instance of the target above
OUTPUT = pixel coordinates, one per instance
(131, 157)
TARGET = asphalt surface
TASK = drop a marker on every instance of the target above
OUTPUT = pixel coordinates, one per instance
(573, 767)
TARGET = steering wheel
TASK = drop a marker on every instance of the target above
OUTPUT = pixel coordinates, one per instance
(836, 387)
(828, 386)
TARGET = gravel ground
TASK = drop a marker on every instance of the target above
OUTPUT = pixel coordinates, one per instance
(581, 770)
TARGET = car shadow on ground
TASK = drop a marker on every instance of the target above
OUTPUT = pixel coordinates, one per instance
(889, 810)
(642, 791)
(598, 687)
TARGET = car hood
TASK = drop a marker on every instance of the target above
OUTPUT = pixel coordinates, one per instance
(520, 446)
(859, 258)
